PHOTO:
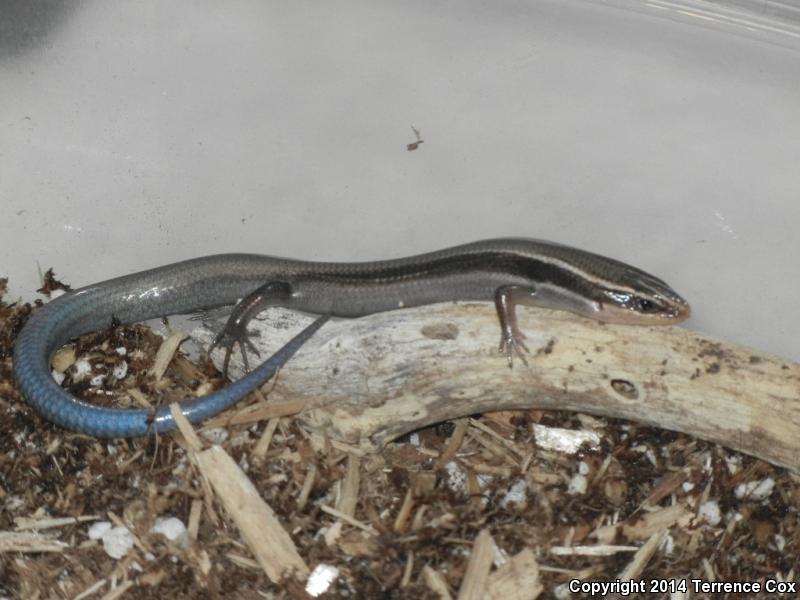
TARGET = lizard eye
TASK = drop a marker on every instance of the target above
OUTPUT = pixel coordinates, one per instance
(646, 306)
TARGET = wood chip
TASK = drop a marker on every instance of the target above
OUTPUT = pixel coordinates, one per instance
(260, 449)
(139, 398)
(518, 579)
(407, 570)
(642, 557)
(165, 353)
(261, 411)
(357, 543)
(91, 589)
(189, 434)
(473, 586)
(401, 521)
(333, 534)
(22, 523)
(195, 512)
(118, 591)
(453, 444)
(599, 550)
(509, 445)
(650, 523)
(347, 519)
(262, 532)
(26, 542)
(436, 583)
(497, 449)
(349, 491)
(308, 483)
(243, 561)
(63, 359)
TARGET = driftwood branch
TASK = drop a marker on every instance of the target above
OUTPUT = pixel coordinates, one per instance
(369, 380)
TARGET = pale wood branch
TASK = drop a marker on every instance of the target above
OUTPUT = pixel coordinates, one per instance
(369, 380)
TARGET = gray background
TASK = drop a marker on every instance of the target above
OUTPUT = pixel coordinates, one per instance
(661, 133)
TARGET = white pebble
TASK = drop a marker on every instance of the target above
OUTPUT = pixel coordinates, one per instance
(668, 545)
(321, 579)
(561, 592)
(577, 485)
(120, 371)
(516, 494)
(456, 478)
(82, 368)
(568, 441)
(98, 529)
(734, 463)
(173, 529)
(117, 542)
(755, 490)
(780, 542)
(709, 511)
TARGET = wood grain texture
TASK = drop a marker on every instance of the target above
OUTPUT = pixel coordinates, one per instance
(369, 380)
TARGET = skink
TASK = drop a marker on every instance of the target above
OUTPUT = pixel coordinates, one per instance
(506, 271)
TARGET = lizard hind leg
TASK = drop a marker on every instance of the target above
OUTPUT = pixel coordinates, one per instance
(272, 293)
